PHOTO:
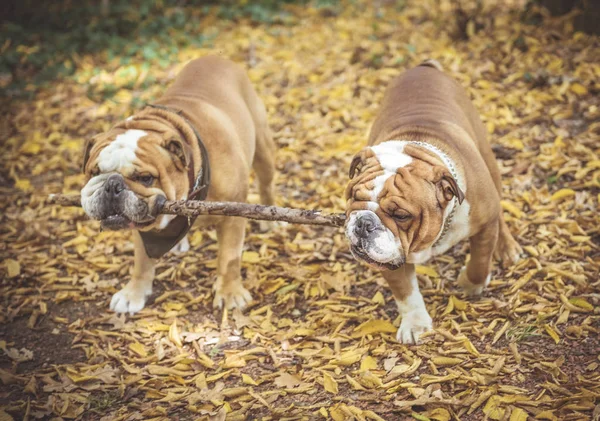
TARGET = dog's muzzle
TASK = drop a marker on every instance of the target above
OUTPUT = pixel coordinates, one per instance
(108, 199)
(372, 242)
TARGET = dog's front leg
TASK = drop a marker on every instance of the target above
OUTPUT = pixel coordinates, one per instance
(415, 318)
(477, 274)
(133, 296)
(228, 289)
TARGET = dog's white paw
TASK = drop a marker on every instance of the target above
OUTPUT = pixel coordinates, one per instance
(469, 287)
(231, 295)
(182, 246)
(413, 325)
(131, 299)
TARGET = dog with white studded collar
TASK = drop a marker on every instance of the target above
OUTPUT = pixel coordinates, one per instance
(427, 180)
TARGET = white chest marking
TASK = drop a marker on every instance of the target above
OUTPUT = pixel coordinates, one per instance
(391, 156)
(120, 153)
(459, 230)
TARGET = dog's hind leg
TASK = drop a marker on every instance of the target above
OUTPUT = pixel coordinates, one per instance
(264, 164)
(264, 161)
(229, 290)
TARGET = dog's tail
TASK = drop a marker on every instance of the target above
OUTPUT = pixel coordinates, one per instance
(432, 63)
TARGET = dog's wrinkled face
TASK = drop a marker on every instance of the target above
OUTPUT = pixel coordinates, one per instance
(396, 200)
(130, 174)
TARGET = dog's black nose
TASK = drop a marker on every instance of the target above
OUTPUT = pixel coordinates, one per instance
(365, 225)
(114, 185)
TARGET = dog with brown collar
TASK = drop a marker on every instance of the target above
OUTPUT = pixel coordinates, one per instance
(198, 141)
(427, 180)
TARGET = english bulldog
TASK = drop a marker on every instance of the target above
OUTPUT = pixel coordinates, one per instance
(427, 180)
(198, 141)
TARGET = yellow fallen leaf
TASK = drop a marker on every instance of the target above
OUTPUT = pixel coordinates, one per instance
(373, 326)
(562, 194)
(368, 363)
(348, 357)
(511, 208)
(492, 408)
(337, 414)
(420, 417)
(579, 89)
(329, 383)
(355, 385)
(248, 380)
(427, 270)
(250, 257)
(439, 414)
(23, 184)
(470, 347)
(12, 267)
(234, 361)
(174, 334)
(546, 415)
(581, 303)
(553, 334)
(378, 298)
(518, 414)
(369, 380)
(81, 239)
(515, 143)
(139, 349)
(446, 361)
(31, 148)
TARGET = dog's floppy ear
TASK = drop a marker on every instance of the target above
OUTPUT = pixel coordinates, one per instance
(357, 162)
(180, 152)
(89, 144)
(448, 185)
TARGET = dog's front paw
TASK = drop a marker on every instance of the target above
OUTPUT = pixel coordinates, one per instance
(182, 246)
(470, 288)
(413, 325)
(231, 294)
(131, 299)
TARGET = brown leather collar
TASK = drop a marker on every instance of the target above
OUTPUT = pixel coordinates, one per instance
(159, 242)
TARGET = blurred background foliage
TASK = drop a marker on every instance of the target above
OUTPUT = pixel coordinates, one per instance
(45, 40)
(42, 41)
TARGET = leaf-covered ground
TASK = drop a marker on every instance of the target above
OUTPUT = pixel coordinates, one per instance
(318, 341)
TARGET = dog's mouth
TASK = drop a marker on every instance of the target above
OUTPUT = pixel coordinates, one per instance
(360, 254)
(120, 222)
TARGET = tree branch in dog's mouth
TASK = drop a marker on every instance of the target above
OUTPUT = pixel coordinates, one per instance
(193, 208)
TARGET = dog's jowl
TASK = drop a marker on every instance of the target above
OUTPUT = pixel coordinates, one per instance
(427, 180)
(199, 141)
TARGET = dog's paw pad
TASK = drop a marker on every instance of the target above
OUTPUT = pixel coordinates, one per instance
(130, 299)
(231, 296)
(469, 287)
(413, 325)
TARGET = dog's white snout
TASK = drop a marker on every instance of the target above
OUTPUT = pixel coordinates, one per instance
(368, 236)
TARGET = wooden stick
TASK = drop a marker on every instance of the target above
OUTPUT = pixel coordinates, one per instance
(245, 210)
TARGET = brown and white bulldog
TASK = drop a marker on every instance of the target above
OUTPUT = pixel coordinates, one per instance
(200, 140)
(427, 180)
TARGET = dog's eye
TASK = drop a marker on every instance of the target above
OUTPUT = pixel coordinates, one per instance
(146, 179)
(402, 216)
